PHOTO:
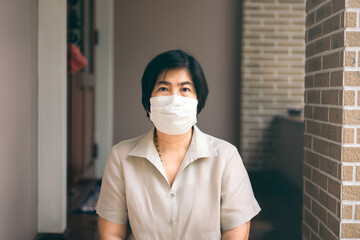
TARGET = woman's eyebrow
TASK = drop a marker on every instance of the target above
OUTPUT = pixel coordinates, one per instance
(168, 83)
(185, 83)
(163, 82)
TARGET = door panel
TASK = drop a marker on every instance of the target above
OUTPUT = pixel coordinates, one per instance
(82, 134)
(81, 163)
(89, 127)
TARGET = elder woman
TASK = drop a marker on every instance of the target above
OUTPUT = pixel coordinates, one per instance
(175, 182)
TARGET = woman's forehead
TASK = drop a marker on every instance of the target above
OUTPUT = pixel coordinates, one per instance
(174, 75)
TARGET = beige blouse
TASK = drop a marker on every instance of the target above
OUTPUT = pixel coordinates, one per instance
(211, 191)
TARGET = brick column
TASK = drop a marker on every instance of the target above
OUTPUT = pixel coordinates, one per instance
(350, 217)
(331, 199)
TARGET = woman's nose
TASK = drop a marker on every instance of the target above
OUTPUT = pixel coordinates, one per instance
(175, 92)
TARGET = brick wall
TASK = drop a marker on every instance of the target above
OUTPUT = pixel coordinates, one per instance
(323, 119)
(273, 56)
(350, 218)
(332, 120)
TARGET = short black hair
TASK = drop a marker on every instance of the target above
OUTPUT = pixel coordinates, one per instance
(174, 59)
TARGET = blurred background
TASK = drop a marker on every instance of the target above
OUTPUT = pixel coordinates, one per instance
(253, 56)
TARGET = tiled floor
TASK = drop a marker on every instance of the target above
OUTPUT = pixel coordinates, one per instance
(279, 219)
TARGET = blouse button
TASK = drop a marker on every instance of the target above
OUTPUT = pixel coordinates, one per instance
(172, 221)
(172, 194)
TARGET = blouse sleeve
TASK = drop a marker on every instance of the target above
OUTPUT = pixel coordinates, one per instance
(238, 204)
(112, 200)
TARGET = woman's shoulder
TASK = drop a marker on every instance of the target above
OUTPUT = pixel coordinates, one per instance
(220, 145)
(220, 142)
(125, 146)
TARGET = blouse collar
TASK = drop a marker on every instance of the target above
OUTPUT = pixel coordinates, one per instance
(200, 147)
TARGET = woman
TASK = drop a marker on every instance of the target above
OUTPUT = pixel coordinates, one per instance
(175, 182)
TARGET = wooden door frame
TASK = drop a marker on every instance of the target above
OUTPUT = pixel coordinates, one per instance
(52, 111)
(81, 98)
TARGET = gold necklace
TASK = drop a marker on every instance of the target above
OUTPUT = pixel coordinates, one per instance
(157, 144)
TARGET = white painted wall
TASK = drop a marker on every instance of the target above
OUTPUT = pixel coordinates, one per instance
(18, 118)
(104, 97)
(52, 127)
(206, 28)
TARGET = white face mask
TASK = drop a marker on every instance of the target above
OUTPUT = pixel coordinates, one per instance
(173, 115)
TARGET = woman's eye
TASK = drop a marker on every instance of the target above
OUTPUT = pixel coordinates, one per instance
(162, 89)
(186, 89)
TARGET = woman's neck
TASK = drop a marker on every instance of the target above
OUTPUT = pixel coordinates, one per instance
(174, 143)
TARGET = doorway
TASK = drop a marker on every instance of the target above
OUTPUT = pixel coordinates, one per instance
(82, 150)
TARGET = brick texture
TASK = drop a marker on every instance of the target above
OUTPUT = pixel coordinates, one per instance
(348, 172)
(347, 212)
(273, 79)
(350, 230)
(349, 98)
(357, 212)
(273, 73)
(351, 121)
(349, 135)
(332, 117)
(334, 103)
